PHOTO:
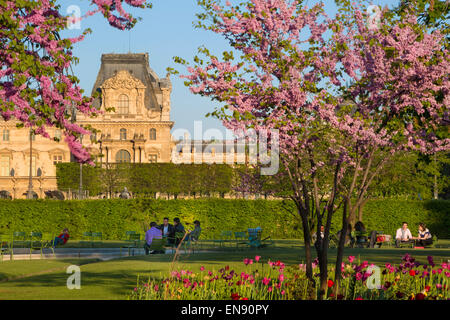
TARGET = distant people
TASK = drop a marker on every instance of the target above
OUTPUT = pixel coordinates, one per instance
(168, 230)
(194, 234)
(178, 227)
(62, 238)
(403, 235)
(152, 233)
(314, 235)
(424, 237)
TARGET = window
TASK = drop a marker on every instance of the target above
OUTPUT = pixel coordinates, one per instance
(153, 134)
(94, 137)
(123, 104)
(33, 137)
(57, 159)
(4, 166)
(123, 134)
(153, 158)
(5, 135)
(123, 156)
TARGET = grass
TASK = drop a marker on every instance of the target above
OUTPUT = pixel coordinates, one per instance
(114, 279)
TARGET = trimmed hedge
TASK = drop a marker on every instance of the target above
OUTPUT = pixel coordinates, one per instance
(277, 218)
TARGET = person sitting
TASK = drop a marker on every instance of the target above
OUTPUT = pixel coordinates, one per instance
(152, 233)
(348, 237)
(424, 237)
(360, 239)
(62, 238)
(403, 235)
(178, 227)
(167, 230)
(194, 234)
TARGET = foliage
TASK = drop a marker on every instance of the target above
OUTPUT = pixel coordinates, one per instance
(37, 87)
(267, 280)
(277, 218)
(148, 179)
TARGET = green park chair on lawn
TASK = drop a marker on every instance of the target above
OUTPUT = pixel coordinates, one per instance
(225, 236)
(133, 242)
(255, 239)
(87, 238)
(97, 238)
(36, 242)
(128, 233)
(193, 241)
(157, 245)
(5, 245)
(241, 238)
(360, 238)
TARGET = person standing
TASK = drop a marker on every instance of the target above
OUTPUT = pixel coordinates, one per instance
(152, 233)
(403, 235)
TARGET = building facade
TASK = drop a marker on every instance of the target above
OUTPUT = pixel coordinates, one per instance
(134, 126)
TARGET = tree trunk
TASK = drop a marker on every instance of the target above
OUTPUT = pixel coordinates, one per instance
(341, 246)
(307, 240)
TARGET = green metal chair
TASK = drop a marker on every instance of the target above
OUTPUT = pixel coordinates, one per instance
(133, 242)
(225, 236)
(5, 245)
(36, 242)
(97, 238)
(157, 245)
(128, 233)
(364, 238)
(241, 238)
(87, 238)
(193, 241)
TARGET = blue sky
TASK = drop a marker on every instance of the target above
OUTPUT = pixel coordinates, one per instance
(165, 31)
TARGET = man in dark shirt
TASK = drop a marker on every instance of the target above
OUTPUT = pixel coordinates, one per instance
(178, 227)
(168, 231)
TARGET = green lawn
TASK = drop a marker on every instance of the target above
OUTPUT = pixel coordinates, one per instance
(114, 279)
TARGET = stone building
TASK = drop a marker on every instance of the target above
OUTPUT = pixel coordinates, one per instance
(134, 127)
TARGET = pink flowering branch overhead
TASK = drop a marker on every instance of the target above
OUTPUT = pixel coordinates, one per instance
(37, 88)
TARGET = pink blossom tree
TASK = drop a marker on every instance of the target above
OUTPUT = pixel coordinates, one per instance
(37, 88)
(336, 100)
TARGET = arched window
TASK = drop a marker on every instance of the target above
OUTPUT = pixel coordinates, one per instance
(153, 134)
(123, 134)
(123, 104)
(123, 156)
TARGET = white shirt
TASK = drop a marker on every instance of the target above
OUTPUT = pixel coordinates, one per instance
(165, 229)
(407, 234)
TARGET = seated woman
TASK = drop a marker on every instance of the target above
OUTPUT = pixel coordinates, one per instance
(424, 237)
(62, 238)
(360, 239)
(194, 234)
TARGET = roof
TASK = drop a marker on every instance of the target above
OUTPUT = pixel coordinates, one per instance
(137, 64)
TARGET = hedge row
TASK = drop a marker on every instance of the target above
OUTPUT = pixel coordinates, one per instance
(277, 218)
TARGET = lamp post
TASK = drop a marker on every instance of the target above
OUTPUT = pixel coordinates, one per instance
(30, 177)
(80, 188)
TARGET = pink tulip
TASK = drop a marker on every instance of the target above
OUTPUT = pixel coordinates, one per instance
(266, 281)
(257, 258)
(351, 259)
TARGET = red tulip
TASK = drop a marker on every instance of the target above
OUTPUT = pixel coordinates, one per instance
(330, 283)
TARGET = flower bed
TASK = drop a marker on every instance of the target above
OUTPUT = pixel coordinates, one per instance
(269, 280)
